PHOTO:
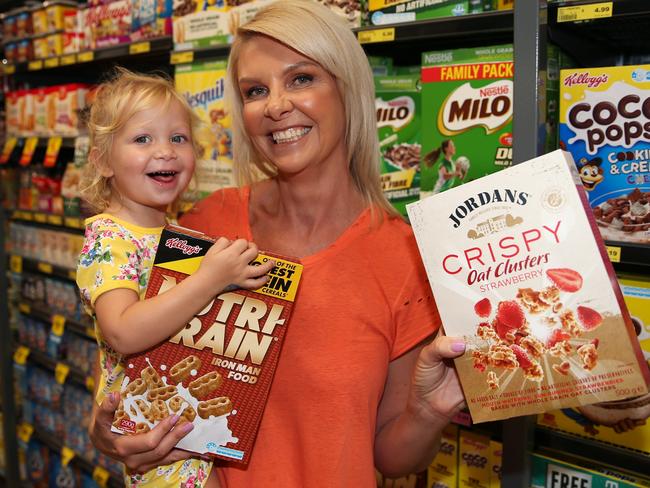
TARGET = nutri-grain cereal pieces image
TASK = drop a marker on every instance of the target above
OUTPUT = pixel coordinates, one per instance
(518, 269)
(217, 371)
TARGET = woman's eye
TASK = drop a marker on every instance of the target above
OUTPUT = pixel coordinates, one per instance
(303, 79)
(142, 139)
(179, 139)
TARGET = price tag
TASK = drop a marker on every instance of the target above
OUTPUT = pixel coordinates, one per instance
(58, 324)
(182, 57)
(72, 274)
(39, 217)
(55, 219)
(35, 65)
(45, 267)
(25, 431)
(614, 253)
(66, 455)
(8, 148)
(10, 69)
(21, 354)
(52, 151)
(376, 35)
(90, 383)
(61, 372)
(68, 59)
(73, 222)
(52, 62)
(24, 308)
(100, 475)
(85, 57)
(28, 150)
(585, 12)
(140, 47)
(16, 263)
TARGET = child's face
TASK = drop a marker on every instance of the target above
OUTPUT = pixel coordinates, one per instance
(152, 158)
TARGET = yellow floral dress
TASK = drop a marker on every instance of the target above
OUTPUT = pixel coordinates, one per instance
(118, 254)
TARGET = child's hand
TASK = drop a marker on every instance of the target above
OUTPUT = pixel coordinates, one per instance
(228, 264)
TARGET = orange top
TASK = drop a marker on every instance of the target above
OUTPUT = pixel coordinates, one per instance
(362, 302)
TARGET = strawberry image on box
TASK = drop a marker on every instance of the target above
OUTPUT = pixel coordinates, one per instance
(518, 268)
(216, 372)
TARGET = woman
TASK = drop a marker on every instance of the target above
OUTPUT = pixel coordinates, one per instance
(359, 384)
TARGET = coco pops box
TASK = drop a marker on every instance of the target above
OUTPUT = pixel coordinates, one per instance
(467, 99)
(605, 124)
(217, 371)
(519, 270)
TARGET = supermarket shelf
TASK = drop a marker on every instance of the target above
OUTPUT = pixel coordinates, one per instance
(553, 440)
(43, 360)
(37, 311)
(55, 445)
(18, 264)
(63, 221)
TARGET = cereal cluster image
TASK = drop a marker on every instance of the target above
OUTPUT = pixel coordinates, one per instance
(149, 399)
(511, 344)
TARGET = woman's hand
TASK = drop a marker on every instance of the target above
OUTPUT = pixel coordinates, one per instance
(141, 452)
(435, 388)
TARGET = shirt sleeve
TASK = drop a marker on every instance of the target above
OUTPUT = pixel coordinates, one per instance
(109, 260)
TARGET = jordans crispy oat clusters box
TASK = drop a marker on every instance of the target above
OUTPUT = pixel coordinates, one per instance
(518, 269)
(217, 371)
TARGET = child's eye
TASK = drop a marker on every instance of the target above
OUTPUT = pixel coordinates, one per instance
(302, 79)
(142, 139)
(255, 91)
(179, 139)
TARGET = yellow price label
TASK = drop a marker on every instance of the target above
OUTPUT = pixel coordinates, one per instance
(614, 253)
(10, 69)
(35, 65)
(55, 219)
(45, 267)
(376, 35)
(68, 59)
(61, 372)
(140, 47)
(73, 222)
(52, 151)
(16, 263)
(25, 431)
(66, 455)
(39, 217)
(182, 57)
(85, 57)
(52, 62)
(28, 150)
(58, 325)
(90, 384)
(585, 12)
(8, 148)
(24, 308)
(21, 354)
(100, 475)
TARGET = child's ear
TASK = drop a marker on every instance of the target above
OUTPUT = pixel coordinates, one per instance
(102, 167)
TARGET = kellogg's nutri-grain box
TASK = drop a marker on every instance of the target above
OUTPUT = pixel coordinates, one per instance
(519, 270)
(217, 371)
(605, 124)
(382, 12)
(397, 104)
(466, 115)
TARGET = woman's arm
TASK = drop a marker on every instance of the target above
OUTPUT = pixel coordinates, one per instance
(421, 395)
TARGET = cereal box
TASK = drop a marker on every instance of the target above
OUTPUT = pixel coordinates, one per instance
(517, 269)
(624, 422)
(443, 470)
(381, 12)
(216, 372)
(202, 84)
(605, 124)
(397, 104)
(466, 115)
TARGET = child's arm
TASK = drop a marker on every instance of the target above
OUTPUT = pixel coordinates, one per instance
(130, 325)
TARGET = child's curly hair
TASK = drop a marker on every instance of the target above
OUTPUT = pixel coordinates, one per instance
(116, 101)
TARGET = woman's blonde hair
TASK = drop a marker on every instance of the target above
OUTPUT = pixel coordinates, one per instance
(317, 33)
(115, 102)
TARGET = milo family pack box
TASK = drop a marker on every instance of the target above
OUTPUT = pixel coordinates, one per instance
(605, 124)
(398, 123)
(217, 371)
(466, 115)
(202, 84)
(519, 270)
(381, 12)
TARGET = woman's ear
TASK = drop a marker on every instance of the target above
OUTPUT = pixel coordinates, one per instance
(103, 168)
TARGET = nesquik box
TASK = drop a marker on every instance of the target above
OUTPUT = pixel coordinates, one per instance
(217, 371)
(518, 268)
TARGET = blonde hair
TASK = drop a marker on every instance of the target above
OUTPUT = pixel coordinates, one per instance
(317, 33)
(115, 102)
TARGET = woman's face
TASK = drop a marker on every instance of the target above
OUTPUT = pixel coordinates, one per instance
(292, 108)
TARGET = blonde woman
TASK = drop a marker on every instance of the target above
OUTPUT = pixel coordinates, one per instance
(359, 383)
